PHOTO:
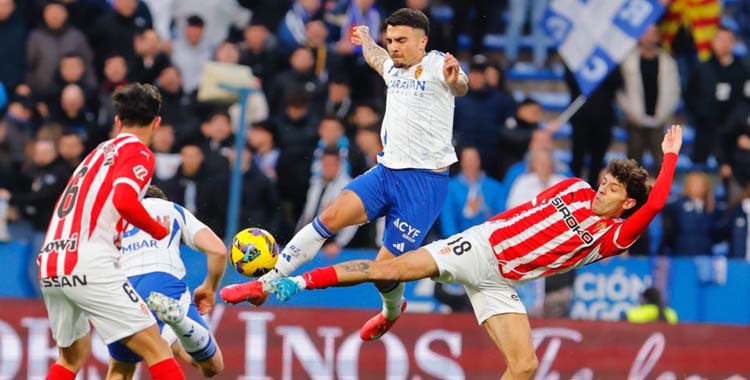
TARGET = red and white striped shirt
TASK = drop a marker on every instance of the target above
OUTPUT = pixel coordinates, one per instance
(85, 223)
(558, 231)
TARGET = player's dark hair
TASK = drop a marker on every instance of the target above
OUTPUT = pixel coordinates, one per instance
(409, 17)
(155, 192)
(137, 104)
(652, 296)
(331, 151)
(634, 177)
(195, 20)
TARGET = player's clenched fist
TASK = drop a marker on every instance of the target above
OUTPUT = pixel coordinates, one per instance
(450, 69)
(360, 33)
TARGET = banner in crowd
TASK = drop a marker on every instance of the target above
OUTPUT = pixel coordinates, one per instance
(593, 37)
(324, 344)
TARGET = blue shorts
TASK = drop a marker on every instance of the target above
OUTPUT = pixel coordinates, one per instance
(144, 284)
(410, 200)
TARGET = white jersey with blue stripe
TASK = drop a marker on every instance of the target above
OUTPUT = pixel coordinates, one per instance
(141, 253)
(417, 128)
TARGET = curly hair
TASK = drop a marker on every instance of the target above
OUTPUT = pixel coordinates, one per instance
(634, 177)
(155, 192)
(137, 104)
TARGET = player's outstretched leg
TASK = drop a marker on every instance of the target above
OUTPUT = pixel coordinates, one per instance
(345, 211)
(194, 336)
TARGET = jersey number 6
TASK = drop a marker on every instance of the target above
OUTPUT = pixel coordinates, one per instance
(68, 199)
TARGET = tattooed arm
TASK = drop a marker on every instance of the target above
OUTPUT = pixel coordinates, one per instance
(373, 53)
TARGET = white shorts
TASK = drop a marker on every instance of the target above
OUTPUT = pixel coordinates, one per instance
(466, 258)
(111, 305)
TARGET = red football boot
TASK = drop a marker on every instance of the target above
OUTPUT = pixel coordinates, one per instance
(378, 325)
(250, 291)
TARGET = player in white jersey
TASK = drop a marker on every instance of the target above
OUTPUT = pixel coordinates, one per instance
(410, 183)
(157, 273)
(80, 279)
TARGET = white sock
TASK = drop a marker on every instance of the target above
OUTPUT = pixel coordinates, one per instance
(392, 300)
(302, 248)
(192, 335)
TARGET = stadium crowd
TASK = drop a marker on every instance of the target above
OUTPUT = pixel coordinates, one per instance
(315, 115)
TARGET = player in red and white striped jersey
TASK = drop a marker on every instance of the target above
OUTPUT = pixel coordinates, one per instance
(80, 279)
(566, 226)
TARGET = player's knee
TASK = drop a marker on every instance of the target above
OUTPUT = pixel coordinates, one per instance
(524, 368)
(331, 218)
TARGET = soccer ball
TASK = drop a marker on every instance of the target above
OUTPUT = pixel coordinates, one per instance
(253, 252)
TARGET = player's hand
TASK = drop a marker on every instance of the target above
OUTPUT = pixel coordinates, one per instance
(360, 33)
(204, 299)
(164, 221)
(451, 69)
(672, 140)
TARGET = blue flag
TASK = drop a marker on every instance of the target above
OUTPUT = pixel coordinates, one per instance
(594, 36)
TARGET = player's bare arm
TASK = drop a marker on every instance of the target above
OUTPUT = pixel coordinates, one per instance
(454, 78)
(205, 294)
(374, 55)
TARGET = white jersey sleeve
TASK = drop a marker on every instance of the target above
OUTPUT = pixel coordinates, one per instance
(190, 226)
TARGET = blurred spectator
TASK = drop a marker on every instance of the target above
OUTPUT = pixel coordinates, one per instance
(734, 151)
(268, 13)
(473, 197)
(177, 106)
(735, 227)
(364, 115)
(541, 175)
(195, 187)
(339, 101)
(115, 74)
(690, 221)
(297, 136)
(48, 175)
(149, 60)
(262, 140)
(7, 171)
(652, 309)
(462, 21)
(478, 115)
(259, 199)
(300, 77)
(217, 131)
(48, 44)
(191, 53)
(258, 52)
(359, 12)
(12, 44)
(219, 16)
(73, 70)
(522, 11)
(331, 132)
(163, 146)
(114, 32)
(257, 105)
(369, 143)
(516, 134)
(716, 87)
(651, 92)
(321, 193)
(162, 16)
(592, 124)
(18, 127)
(71, 148)
(74, 115)
(292, 29)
